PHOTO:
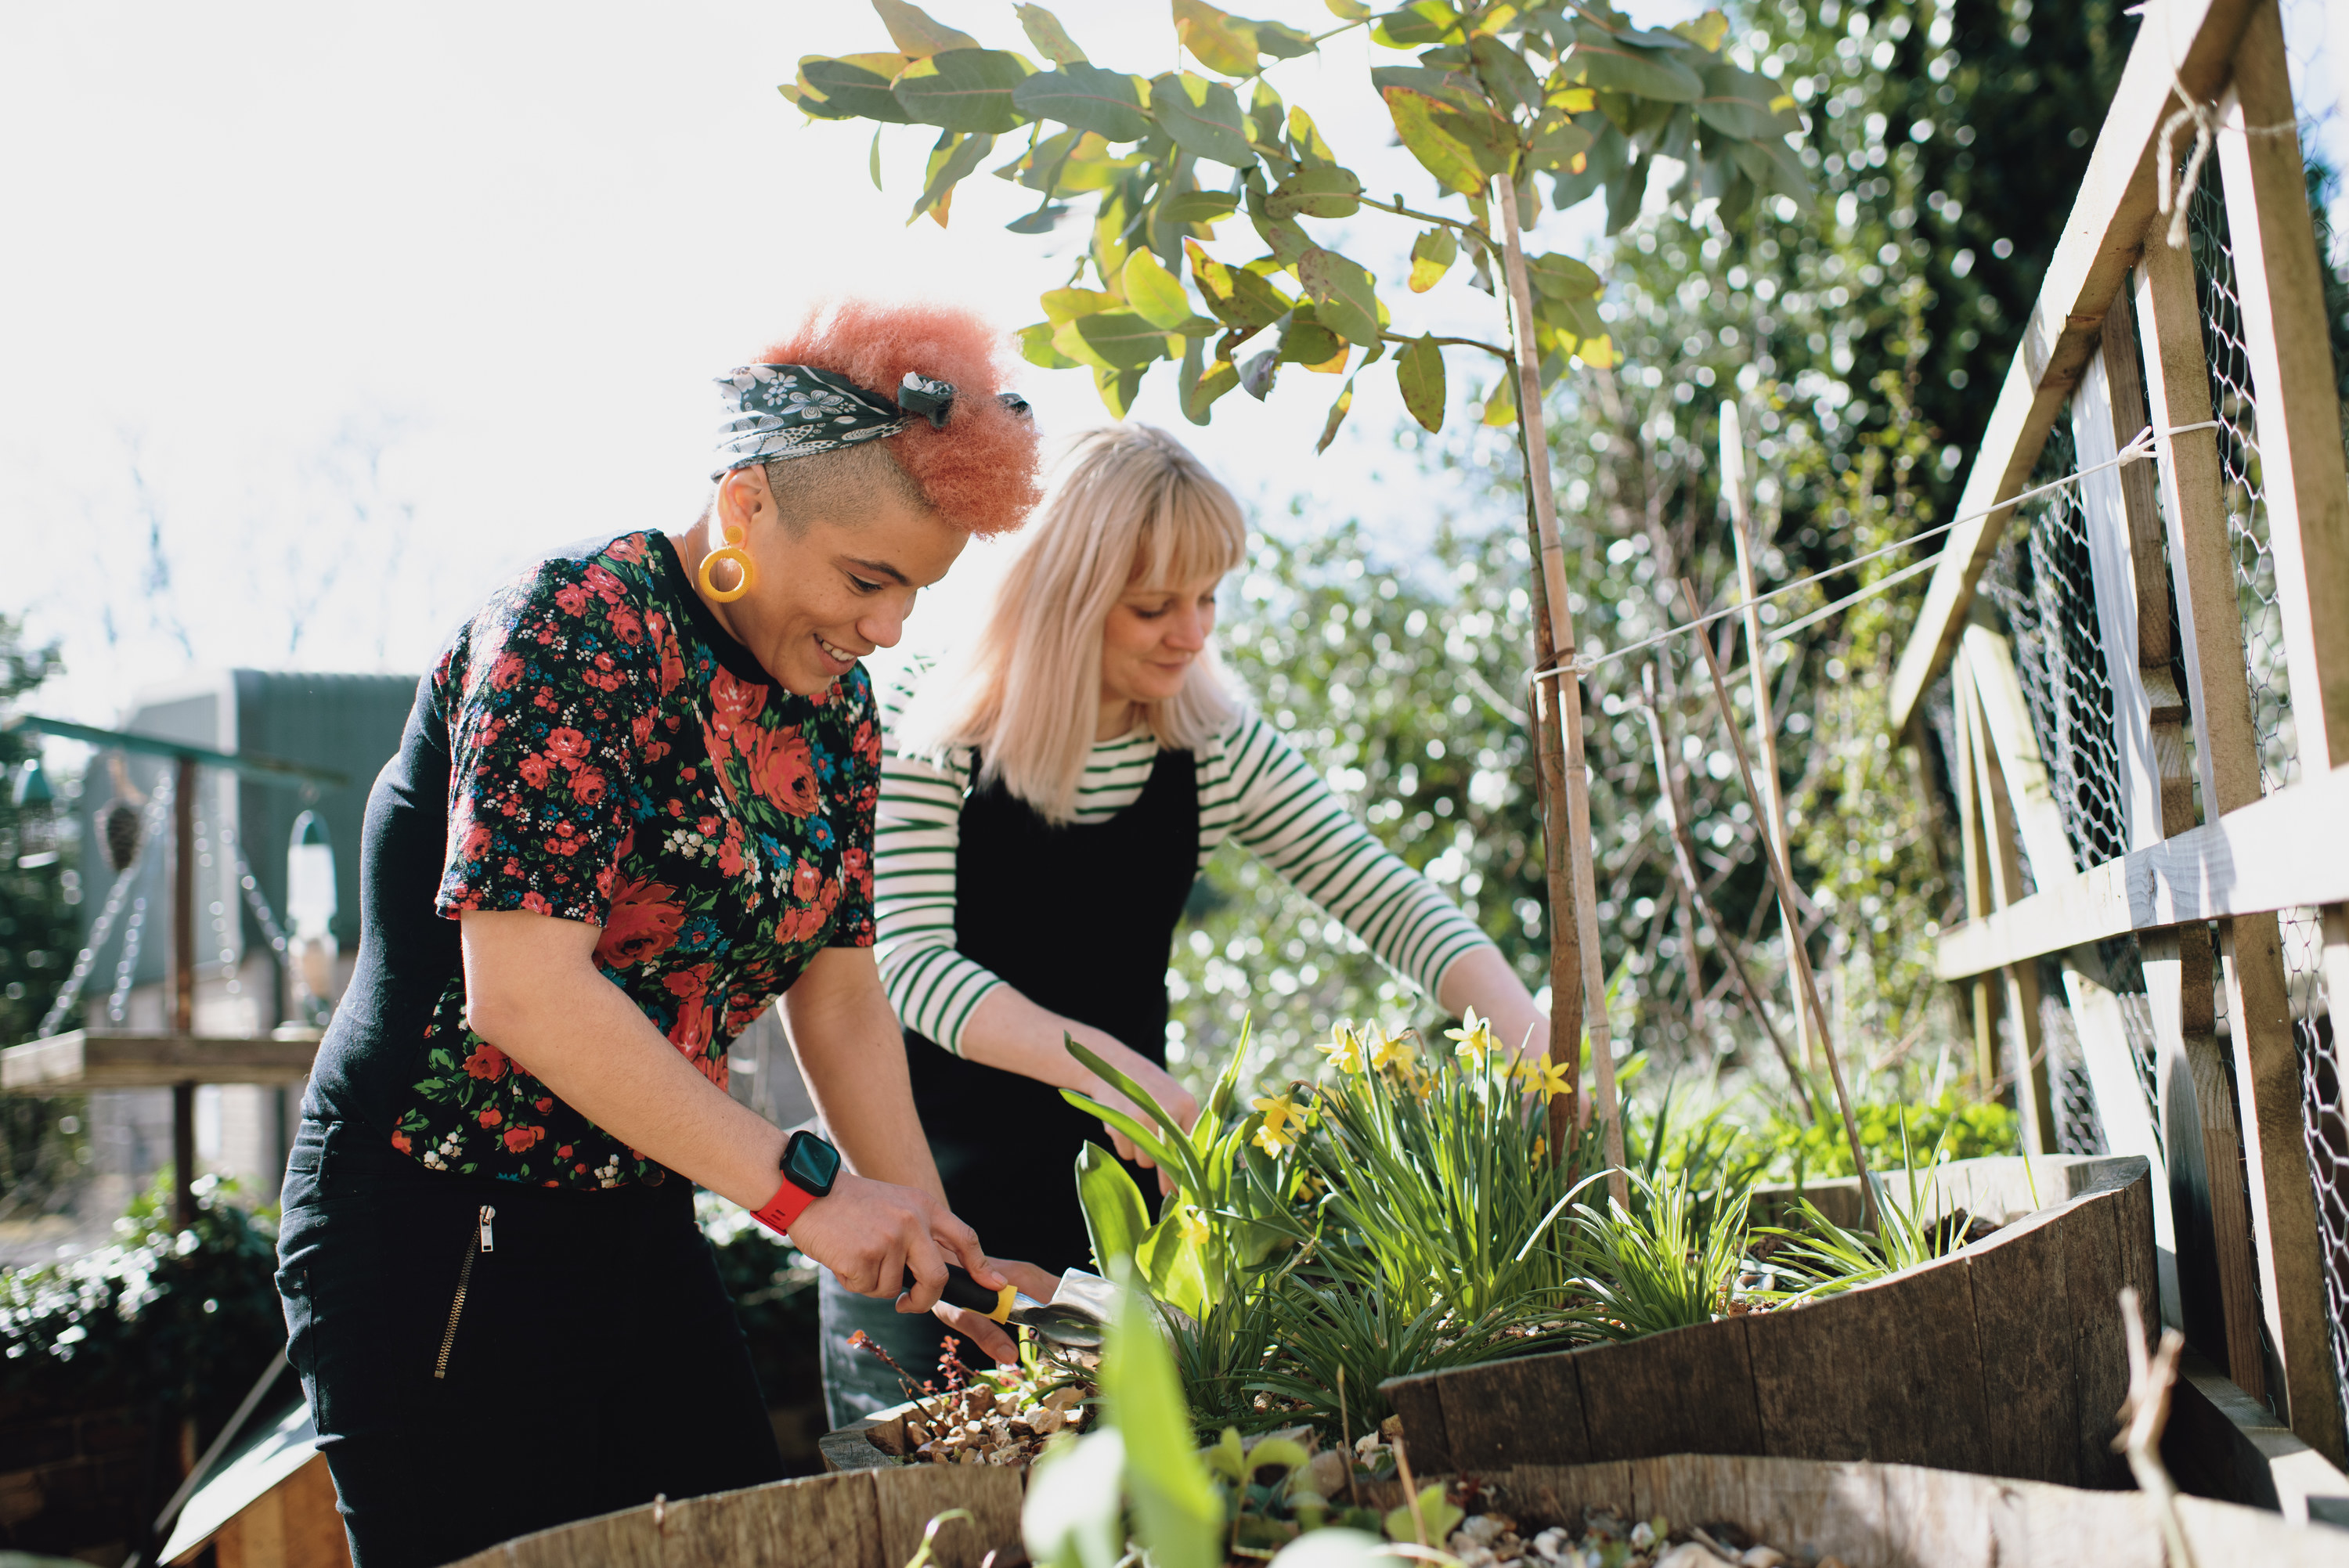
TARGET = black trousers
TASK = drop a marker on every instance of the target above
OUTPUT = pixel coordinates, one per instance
(485, 1359)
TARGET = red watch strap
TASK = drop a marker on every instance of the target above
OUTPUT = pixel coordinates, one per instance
(783, 1210)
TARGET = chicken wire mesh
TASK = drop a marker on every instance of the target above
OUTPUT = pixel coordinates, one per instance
(2042, 582)
(2324, 1114)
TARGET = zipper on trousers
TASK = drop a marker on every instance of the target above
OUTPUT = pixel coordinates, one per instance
(486, 1243)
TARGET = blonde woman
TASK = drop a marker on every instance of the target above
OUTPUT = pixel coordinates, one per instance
(1044, 811)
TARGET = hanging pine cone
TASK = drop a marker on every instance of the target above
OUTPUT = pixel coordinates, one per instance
(120, 823)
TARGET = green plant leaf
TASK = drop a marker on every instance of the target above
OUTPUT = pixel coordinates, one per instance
(1439, 1516)
(1501, 408)
(1432, 255)
(1337, 418)
(1200, 393)
(1042, 221)
(1061, 305)
(1348, 10)
(1198, 207)
(1088, 97)
(852, 87)
(1074, 1516)
(1181, 1163)
(1118, 389)
(1562, 277)
(1738, 101)
(1217, 39)
(1608, 154)
(1431, 141)
(1773, 165)
(1346, 300)
(1316, 193)
(1423, 22)
(1558, 142)
(1052, 39)
(964, 89)
(1112, 340)
(1507, 78)
(953, 158)
(1203, 117)
(1154, 292)
(1288, 243)
(1176, 1506)
(1115, 1216)
(1305, 341)
(1604, 62)
(1421, 375)
(1036, 348)
(916, 32)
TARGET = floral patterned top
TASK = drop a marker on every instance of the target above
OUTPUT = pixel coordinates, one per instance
(611, 757)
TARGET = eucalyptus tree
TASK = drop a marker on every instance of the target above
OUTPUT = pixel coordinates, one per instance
(1493, 101)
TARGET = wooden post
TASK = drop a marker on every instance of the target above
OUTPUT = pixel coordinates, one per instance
(1772, 808)
(2126, 546)
(183, 985)
(1973, 855)
(2279, 281)
(2033, 1100)
(1551, 564)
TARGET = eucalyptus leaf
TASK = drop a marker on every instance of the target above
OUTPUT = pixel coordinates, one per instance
(1562, 277)
(916, 32)
(1508, 79)
(1042, 221)
(1305, 341)
(1607, 64)
(1203, 117)
(1118, 389)
(1217, 39)
(964, 89)
(1773, 166)
(1036, 348)
(1337, 416)
(1348, 10)
(1432, 255)
(1426, 22)
(1287, 243)
(1112, 340)
(1088, 97)
(1198, 207)
(1255, 375)
(954, 158)
(1214, 381)
(1154, 292)
(1052, 39)
(1324, 192)
(1061, 305)
(1605, 157)
(1738, 101)
(1420, 373)
(855, 88)
(1345, 299)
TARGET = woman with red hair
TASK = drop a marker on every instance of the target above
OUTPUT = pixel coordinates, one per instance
(634, 805)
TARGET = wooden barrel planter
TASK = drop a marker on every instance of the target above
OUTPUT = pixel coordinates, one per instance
(1900, 1516)
(876, 1442)
(864, 1519)
(2005, 1359)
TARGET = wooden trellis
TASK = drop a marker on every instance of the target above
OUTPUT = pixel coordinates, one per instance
(2156, 845)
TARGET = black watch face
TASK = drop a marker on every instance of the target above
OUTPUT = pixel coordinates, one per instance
(811, 1163)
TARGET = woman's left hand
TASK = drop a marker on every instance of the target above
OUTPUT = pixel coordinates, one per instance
(991, 1336)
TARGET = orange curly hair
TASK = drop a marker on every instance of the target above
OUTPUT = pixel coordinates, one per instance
(980, 471)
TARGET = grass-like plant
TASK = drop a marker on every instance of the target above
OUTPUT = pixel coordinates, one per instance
(1910, 1230)
(1667, 1260)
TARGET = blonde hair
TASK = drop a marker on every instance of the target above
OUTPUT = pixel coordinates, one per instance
(1131, 507)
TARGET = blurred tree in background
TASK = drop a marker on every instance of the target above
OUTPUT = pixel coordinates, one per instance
(39, 1138)
(1864, 344)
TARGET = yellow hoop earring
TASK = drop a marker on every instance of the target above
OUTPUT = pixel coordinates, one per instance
(746, 575)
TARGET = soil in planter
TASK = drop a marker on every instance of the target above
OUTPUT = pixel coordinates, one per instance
(1004, 1416)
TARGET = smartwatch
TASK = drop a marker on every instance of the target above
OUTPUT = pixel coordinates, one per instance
(810, 1167)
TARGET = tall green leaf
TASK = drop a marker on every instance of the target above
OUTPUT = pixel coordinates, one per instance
(1439, 151)
(1432, 255)
(1074, 1516)
(1606, 62)
(1316, 193)
(1088, 97)
(1154, 292)
(964, 89)
(953, 158)
(1203, 117)
(1115, 1216)
(852, 87)
(1176, 1506)
(1112, 340)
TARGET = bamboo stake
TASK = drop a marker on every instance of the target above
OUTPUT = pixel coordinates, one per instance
(1683, 856)
(1576, 774)
(1784, 880)
(1771, 803)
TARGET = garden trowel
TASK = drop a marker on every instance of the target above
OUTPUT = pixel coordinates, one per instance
(1076, 1317)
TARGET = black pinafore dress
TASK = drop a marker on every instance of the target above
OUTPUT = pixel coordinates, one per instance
(1079, 919)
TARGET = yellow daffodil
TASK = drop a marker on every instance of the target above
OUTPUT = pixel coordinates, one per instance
(1194, 1227)
(1343, 1048)
(1272, 1139)
(1475, 1038)
(1397, 1052)
(1279, 1110)
(1547, 1077)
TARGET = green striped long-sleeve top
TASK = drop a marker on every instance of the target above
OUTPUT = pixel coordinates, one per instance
(1253, 785)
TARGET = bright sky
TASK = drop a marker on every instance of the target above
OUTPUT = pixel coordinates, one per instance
(349, 310)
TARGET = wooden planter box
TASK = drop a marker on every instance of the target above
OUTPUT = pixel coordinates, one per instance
(864, 1519)
(876, 1442)
(2006, 1360)
(1894, 1516)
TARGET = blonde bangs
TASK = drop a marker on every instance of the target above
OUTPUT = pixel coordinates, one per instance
(1131, 505)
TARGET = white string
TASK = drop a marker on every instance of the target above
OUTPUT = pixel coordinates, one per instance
(150, 824)
(2140, 447)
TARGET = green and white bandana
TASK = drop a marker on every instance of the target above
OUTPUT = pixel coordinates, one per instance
(775, 411)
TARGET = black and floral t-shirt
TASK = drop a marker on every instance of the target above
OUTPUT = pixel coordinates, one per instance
(594, 746)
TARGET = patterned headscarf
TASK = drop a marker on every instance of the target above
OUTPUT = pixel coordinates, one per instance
(776, 411)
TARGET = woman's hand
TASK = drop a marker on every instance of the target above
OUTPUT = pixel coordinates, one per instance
(1177, 1101)
(870, 1233)
(992, 1337)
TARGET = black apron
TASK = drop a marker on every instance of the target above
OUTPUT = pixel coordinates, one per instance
(1079, 919)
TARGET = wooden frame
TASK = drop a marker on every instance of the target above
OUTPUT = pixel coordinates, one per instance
(2232, 1127)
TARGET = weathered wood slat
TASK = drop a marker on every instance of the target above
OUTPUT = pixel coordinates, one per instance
(2281, 853)
(1971, 1362)
(72, 1062)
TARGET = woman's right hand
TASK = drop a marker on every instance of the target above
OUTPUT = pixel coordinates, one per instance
(871, 1233)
